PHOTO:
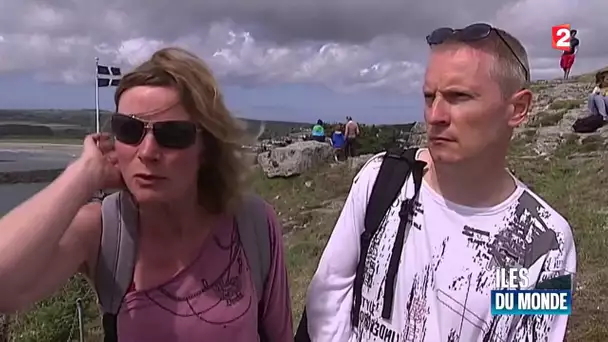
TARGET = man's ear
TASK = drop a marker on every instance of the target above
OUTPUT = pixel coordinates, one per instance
(521, 103)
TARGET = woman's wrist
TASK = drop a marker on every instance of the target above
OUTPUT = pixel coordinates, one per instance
(82, 174)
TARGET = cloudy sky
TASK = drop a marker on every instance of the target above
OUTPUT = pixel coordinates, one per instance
(295, 60)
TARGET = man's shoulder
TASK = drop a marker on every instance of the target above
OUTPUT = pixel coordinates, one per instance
(547, 213)
(370, 169)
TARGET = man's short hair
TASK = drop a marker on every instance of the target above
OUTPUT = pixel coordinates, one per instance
(506, 70)
(573, 32)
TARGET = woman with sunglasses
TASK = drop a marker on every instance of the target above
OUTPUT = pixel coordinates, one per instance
(176, 152)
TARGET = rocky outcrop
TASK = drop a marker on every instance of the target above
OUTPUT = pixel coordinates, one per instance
(294, 159)
(557, 104)
(417, 136)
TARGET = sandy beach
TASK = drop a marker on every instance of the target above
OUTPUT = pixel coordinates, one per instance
(26, 156)
(39, 147)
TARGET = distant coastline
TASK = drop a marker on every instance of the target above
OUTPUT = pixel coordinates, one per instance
(30, 176)
(37, 145)
(34, 160)
(70, 125)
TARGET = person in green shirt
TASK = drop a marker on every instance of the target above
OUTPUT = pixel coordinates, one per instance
(318, 132)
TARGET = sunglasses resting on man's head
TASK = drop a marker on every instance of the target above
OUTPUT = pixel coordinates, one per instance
(471, 33)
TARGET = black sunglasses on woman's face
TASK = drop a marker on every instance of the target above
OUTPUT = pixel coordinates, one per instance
(176, 134)
(468, 34)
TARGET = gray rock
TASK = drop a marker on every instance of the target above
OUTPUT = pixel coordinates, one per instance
(294, 159)
(417, 136)
(548, 139)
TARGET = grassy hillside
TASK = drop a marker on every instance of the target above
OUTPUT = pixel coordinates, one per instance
(566, 169)
(309, 205)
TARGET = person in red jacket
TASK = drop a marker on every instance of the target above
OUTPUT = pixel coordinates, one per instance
(567, 60)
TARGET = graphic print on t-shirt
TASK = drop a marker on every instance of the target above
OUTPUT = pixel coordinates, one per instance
(210, 300)
(442, 291)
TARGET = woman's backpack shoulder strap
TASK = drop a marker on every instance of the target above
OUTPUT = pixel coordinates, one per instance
(254, 233)
(116, 258)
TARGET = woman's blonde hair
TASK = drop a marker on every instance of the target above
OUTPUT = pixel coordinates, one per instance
(221, 177)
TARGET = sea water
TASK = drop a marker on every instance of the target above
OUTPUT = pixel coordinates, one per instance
(15, 159)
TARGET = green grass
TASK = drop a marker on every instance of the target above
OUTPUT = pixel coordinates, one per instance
(544, 119)
(310, 213)
(308, 206)
(575, 188)
(537, 87)
(566, 104)
(55, 319)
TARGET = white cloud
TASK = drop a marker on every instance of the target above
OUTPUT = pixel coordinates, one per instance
(346, 48)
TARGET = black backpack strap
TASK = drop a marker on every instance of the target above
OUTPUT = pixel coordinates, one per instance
(406, 213)
(391, 177)
(302, 331)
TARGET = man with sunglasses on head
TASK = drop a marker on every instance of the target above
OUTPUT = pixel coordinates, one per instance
(425, 272)
(182, 252)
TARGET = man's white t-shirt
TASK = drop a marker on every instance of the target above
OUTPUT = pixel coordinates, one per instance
(446, 271)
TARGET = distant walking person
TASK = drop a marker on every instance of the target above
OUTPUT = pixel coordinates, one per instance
(351, 132)
(567, 59)
(318, 132)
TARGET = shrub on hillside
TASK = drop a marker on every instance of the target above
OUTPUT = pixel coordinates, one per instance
(55, 319)
(13, 129)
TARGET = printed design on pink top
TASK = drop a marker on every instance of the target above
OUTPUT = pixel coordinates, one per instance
(219, 300)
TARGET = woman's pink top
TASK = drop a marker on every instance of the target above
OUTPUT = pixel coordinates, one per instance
(214, 299)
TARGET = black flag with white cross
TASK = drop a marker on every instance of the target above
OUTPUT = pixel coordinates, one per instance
(108, 76)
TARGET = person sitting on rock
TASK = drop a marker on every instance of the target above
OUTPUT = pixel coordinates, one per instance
(318, 132)
(338, 141)
(598, 99)
(175, 155)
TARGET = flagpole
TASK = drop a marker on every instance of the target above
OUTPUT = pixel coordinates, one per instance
(100, 192)
(97, 128)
